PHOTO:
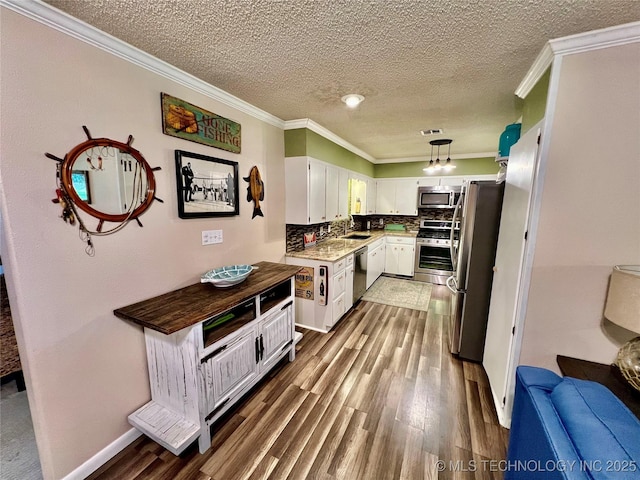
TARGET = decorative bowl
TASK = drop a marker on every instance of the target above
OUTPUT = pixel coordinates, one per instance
(227, 276)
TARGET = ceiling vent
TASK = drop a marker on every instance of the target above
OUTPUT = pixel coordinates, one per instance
(432, 131)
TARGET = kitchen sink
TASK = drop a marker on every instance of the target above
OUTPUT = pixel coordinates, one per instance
(357, 236)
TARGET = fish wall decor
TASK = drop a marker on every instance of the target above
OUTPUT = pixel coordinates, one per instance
(255, 190)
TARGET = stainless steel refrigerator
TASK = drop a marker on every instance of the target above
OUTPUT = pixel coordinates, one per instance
(473, 258)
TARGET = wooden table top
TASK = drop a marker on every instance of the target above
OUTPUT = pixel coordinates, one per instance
(173, 311)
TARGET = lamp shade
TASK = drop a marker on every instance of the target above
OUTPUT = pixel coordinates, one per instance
(623, 300)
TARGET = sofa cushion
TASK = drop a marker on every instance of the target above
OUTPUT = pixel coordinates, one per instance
(605, 433)
(538, 438)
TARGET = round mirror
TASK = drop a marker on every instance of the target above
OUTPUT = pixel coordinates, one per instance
(109, 180)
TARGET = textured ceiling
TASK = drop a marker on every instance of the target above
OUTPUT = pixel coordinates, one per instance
(450, 64)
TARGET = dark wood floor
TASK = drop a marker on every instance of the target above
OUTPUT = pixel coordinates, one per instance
(378, 398)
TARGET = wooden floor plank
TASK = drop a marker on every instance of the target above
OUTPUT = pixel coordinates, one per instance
(379, 397)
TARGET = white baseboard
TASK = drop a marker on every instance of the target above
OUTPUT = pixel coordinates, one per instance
(103, 456)
(311, 328)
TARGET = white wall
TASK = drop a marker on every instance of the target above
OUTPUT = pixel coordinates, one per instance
(590, 211)
(85, 368)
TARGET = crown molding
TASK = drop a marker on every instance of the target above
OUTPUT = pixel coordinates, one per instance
(579, 43)
(328, 134)
(65, 23)
(540, 65)
(606, 37)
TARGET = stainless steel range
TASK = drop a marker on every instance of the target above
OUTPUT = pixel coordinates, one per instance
(434, 250)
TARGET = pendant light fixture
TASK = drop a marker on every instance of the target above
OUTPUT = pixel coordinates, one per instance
(437, 165)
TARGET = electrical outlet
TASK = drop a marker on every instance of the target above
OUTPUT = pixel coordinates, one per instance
(209, 237)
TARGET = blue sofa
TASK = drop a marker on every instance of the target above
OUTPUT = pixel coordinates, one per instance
(569, 429)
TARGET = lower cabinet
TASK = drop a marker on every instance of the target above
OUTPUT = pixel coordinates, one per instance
(348, 278)
(228, 370)
(318, 312)
(274, 337)
(375, 261)
(400, 256)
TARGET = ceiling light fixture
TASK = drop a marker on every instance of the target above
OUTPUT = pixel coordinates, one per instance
(437, 165)
(352, 100)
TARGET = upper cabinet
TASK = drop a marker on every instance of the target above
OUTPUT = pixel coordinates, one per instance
(372, 189)
(397, 196)
(305, 181)
(386, 197)
(452, 180)
(316, 192)
(336, 193)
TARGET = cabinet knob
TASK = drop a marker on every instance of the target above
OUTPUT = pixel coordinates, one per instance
(495, 269)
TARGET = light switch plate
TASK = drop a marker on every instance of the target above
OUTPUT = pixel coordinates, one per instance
(209, 237)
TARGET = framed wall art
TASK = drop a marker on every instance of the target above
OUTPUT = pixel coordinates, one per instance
(206, 186)
(184, 120)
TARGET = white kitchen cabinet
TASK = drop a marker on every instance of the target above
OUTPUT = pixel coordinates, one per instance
(400, 255)
(386, 197)
(348, 279)
(343, 194)
(375, 261)
(457, 180)
(371, 196)
(336, 193)
(397, 196)
(305, 183)
(407, 197)
(429, 181)
(332, 193)
(310, 312)
(451, 181)
(316, 192)
(338, 306)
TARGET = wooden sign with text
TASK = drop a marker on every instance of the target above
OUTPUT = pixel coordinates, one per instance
(183, 120)
(304, 283)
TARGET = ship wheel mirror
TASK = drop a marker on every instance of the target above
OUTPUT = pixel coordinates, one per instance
(106, 179)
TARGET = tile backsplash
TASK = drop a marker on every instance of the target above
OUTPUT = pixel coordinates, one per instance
(342, 227)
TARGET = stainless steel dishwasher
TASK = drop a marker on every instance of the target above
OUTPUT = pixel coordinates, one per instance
(359, 273)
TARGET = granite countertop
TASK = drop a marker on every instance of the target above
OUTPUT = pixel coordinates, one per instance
(335, 248)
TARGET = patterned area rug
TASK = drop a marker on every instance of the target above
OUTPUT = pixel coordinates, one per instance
(399, 293)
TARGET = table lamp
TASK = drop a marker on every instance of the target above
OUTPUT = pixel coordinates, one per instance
(623, 308)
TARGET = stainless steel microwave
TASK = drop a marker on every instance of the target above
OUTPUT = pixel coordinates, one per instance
(438, 197)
